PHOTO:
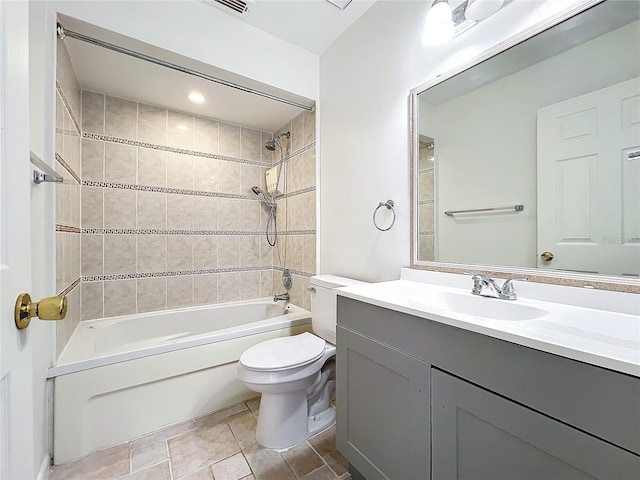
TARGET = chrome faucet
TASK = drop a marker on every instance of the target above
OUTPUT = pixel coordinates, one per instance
(283, 296)
(481, 283)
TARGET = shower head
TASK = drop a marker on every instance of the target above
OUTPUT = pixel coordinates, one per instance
(271, 144)
(261, 193)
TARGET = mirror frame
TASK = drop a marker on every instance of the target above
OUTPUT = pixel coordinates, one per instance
(575, 279)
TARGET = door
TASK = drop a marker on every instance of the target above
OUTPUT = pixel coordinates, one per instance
(16, 373)
(383, 409)
(589, 181)
(478, 435)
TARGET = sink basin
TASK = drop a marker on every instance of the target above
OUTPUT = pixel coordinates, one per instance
(475, 305)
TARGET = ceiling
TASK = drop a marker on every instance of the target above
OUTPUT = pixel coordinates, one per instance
(310, 24)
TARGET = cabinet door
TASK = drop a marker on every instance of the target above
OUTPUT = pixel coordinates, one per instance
(383, 409)
(479, 435)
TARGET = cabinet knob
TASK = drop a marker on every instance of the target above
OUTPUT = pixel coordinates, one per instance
(50, 308)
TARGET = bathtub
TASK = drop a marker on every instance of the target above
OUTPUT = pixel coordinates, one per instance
(123, 377)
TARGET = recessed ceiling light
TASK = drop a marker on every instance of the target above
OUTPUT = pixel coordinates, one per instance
(196, 97)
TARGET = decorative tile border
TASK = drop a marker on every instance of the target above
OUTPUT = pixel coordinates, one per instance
(68, 107)
(297, 232)
(144, 231)
(182, 151)
(67, 229)
(426, 202)
(426, 170)
(70, 287)
(427, 233)
(298, 192)
(294, 272)
(179, 191)
(177, 273)
(66, 166)
(300, 151)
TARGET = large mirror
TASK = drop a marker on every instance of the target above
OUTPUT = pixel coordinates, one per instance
(530, 159)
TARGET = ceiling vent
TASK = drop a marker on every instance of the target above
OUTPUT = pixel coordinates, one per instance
(239, 7)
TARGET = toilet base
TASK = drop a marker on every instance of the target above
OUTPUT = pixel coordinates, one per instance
(283, 421)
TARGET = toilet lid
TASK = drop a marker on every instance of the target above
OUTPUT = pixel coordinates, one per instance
(283, 353)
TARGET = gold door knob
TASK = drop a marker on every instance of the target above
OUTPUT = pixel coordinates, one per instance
(546, 256)
(50, 308)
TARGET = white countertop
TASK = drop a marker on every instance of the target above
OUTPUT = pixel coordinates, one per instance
(599, 337)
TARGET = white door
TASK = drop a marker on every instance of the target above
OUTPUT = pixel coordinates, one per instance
(589, 181)
(16, 373)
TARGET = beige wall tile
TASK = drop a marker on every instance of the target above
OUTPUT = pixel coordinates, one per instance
(266, 283)
(119, 297)
(205, 252)
(92, 247)
(119, 208)
(151, 294)
(119, 254)
(228, 252)
(267, 253)
(179, 212)
(250, 215)
(229, 138)
(205, 174)
(120, 163)
(229, 174)
(294, 213)
(425, 218)
(59, 141)
(92, 209)
(294, 252)
(251, 175)
(92, 160)
(180, 130)
(180, 291)
(92, 112)
(206, 135)
(309, 254)
(249, 285)
(75, 158)
(205, 213)
(282, 217)
(74, 205)
(72, 261)
(297, 133)
(152, 167)
(250, 144)
(151, 210)
(294, 170)
(60, 191)
(120, 118)
(267, 155)
(229, 287)
(152, 253)
(179, 171)
(92, 301)
(308, 220)
(152, 124)
(249, 251)
(309, 128)
(179, 252)
(425, 186)
(426, 248)
(308, 178)
(228, 214)
(60, 261)
(205, 289)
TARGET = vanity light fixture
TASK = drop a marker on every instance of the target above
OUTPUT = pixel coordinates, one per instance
(438, 28)
(478, 10)
(196, 97)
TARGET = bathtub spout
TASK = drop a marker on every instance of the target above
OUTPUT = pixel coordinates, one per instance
(283, 296)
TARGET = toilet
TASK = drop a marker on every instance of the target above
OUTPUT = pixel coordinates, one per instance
(296, 374)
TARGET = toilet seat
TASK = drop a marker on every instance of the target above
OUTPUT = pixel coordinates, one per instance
(284, 353)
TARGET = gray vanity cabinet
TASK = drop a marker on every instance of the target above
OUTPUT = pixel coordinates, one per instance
(477, 435)
(418, 400)
(384, 422)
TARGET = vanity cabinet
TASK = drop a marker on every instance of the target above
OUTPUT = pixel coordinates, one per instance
(418, 399)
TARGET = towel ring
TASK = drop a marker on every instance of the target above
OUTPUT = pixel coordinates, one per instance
(389, 204)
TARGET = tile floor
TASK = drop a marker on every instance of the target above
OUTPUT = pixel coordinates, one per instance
(219, 446)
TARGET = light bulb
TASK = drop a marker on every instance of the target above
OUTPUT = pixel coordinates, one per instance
(439, 25)
(196, 97)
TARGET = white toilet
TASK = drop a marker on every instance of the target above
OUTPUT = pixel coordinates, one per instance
(296, 375)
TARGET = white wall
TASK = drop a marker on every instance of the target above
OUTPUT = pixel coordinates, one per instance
(486, 147)
(365, 79)
(207, 34)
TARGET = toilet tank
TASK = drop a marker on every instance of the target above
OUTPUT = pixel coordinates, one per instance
(324, 304)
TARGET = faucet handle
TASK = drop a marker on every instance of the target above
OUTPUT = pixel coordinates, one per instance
(478, 282)
(508, 291)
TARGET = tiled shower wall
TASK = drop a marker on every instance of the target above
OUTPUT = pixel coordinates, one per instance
(168, 217)
(296, 245)
(426, 201)
(67, 213)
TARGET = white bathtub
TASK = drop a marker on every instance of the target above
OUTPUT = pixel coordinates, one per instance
(124, 377)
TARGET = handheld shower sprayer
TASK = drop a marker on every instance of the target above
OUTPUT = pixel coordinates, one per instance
(265, 197)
